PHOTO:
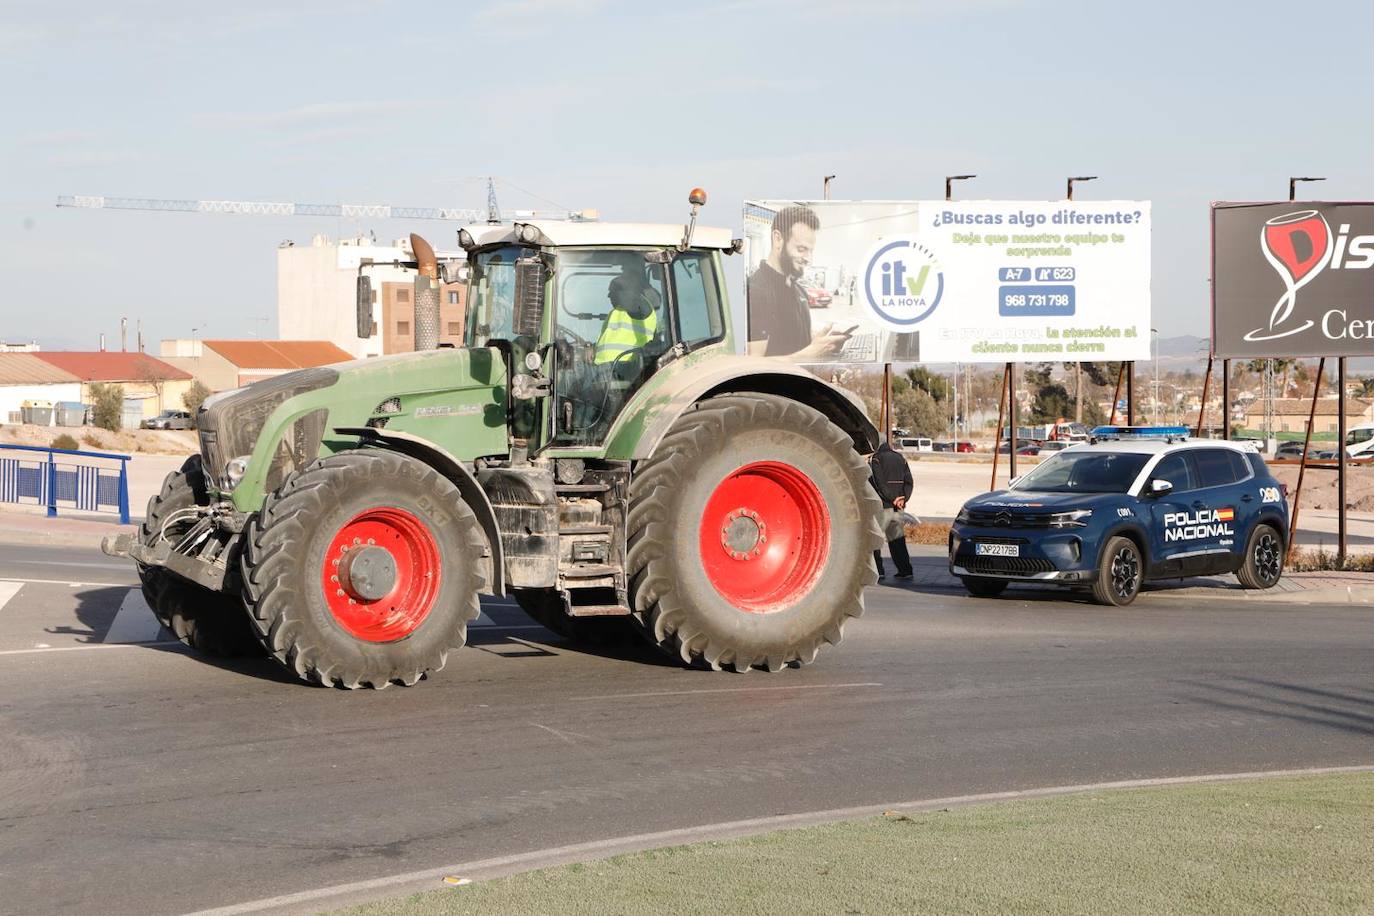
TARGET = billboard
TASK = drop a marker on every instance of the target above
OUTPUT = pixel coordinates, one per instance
(948, 281)
(1292, 279)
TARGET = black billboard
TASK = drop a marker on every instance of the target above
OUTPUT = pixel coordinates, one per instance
(1292, 278)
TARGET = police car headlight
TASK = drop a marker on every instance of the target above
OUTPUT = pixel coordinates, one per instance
(962, 517)
(1074, 519)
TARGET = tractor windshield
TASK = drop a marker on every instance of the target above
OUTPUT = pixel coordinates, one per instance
(491, 313)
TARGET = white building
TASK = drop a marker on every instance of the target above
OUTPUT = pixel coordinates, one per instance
(317, 292)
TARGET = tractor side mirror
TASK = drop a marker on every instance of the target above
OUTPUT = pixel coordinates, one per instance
(1160, 487)
(529, 296)
(364, 306)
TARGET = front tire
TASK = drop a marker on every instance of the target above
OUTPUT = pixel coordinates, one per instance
(1119, 572)
(363, 570)
(751, 534)
(208, 621)
(1263, 564)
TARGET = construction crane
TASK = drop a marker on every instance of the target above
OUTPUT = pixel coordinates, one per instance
(345, 211)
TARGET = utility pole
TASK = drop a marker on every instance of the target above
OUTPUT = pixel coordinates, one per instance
(825, 188)
(124, 335)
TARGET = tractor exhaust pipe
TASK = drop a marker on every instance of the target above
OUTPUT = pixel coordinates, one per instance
(426, 294)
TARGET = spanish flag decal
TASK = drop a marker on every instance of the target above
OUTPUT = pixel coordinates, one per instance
(1225, 515)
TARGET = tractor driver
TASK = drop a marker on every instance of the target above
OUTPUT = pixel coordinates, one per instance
(632, 322)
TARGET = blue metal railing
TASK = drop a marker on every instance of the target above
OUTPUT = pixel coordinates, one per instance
(88, 487)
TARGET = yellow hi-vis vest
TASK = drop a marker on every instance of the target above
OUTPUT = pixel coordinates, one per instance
(624, 332)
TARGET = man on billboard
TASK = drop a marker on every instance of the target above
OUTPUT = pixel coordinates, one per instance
(779, 315)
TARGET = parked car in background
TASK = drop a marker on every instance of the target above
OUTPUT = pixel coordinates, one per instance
(1292, 450)
(1031, 447)
(1359, 441)
(816, 297)
(1049, 448)
(964, 446)
(944, 446)
(170, 419)
(915, 444)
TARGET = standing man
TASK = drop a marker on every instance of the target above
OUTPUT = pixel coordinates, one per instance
(779, 316)
(891, 477)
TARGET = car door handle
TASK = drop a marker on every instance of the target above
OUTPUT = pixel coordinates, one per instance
(1198, 504)
(1247, 498)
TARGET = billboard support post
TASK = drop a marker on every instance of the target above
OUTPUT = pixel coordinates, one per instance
(1302, 466)
(1340, 460)
(1116, 392)
(886, 409)
(1130, 392)
(1012, 412)
(1226, 399)
(997, 439)
(1202, 408)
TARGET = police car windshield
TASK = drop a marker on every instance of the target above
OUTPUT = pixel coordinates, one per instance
(1084, 472)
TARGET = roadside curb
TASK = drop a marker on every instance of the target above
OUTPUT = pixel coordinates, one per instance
(25, 537)
(358, 892)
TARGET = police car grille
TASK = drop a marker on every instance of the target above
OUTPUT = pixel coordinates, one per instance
(1002, 518)
(1015, 566)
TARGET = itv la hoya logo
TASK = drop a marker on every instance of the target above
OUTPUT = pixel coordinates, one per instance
(903, 282)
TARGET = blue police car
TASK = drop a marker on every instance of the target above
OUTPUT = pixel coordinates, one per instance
(1131, 505)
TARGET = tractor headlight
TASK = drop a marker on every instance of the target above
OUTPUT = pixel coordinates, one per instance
(1077, 518)
(234, 471)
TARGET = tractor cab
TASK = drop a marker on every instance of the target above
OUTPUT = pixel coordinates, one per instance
(588, 313)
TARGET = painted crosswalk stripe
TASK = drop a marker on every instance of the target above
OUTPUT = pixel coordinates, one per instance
(7, 591)
(134, 622)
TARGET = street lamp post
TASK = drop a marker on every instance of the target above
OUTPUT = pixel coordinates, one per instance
(825, 188)
(1077, 366)
(949, 195)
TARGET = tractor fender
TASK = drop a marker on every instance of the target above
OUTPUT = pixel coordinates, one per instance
(444, 462)
(654, 409)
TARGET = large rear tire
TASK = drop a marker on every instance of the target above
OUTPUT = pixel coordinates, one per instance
(751, 534)
(363, 570)
(207, 621)
(545, 607)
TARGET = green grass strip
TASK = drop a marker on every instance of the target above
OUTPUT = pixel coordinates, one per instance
(1291, 845)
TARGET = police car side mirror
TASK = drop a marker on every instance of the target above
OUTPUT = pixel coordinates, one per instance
(1160, 487)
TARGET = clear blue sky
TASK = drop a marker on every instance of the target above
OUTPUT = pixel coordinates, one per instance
(624, 107)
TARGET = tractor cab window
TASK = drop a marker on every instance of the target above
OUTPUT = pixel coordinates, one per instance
(611, 328)
(699, 314)
(491, 312)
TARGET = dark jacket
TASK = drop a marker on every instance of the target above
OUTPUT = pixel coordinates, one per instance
(890, 475)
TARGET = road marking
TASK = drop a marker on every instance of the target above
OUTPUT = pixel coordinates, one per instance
(678, 693)
(483, 869)
(69, 582)
(134, 623)
(7, 591)
(93, 645)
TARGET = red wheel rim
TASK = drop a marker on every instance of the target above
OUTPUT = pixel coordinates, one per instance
(765, 537)
(367, 601)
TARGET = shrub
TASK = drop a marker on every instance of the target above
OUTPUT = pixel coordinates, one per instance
(108, 401)
(65, 441)
(195, 395)
(91, 440)
(1322, 560)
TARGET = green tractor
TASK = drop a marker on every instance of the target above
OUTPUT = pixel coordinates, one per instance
(597, 450)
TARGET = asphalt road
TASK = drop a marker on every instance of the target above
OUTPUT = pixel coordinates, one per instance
(145, 779)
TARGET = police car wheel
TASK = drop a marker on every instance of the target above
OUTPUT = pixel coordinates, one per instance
(1263, 564)
(983, 587)
(1118, 573)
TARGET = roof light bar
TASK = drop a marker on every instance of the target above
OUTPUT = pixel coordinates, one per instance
(1140, 432)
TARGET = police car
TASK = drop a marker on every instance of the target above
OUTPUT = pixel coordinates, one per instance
(1131, 505)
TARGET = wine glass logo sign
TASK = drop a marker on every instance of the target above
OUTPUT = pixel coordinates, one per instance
(1298, 246)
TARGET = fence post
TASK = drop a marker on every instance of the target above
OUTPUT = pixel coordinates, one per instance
(52, 487)
(124, 492)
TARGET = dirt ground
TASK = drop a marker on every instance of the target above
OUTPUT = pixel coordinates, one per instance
(128, 441)
(1319, 486)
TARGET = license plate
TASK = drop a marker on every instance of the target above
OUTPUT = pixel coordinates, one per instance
(997, 550)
